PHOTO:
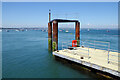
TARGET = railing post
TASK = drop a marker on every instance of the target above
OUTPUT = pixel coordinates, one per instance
(108, 52)
(94, 44)
(82, 43)
(108, 57)
(88, 52)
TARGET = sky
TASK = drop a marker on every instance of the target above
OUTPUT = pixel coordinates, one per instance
(60, 0)
(35, 14)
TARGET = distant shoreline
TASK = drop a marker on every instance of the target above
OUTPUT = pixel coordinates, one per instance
(22, 28)
(66, 28)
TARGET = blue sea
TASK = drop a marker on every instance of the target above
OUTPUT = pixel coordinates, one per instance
(25, 53)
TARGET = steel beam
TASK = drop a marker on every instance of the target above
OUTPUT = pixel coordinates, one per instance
(50, 36)
(77, 33)
(55, 36)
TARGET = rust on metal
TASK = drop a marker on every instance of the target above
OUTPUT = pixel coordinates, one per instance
(49, 30)
(63, 20)
(55, 34)
(49, 36)
(77, 32)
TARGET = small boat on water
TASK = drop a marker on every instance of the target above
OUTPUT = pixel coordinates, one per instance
(108, 31)
(7, 30)
(22, 30)
(0, 30)
(17, 30)
(88, 30)
(66, 31)
(42, 30)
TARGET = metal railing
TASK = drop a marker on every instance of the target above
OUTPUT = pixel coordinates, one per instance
(67, 44)
(95, 45)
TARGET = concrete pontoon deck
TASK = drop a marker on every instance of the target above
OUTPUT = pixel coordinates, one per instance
(95, 58)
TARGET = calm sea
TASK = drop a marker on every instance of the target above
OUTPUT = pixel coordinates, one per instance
(25, 53)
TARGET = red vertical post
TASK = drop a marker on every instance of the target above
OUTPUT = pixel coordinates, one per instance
(77, 33)
(55, 36)
(49, 15)
(50, 36)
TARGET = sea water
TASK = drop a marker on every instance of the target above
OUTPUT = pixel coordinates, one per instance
(25, 53)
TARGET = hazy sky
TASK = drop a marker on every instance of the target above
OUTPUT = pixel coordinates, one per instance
(35, 14)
